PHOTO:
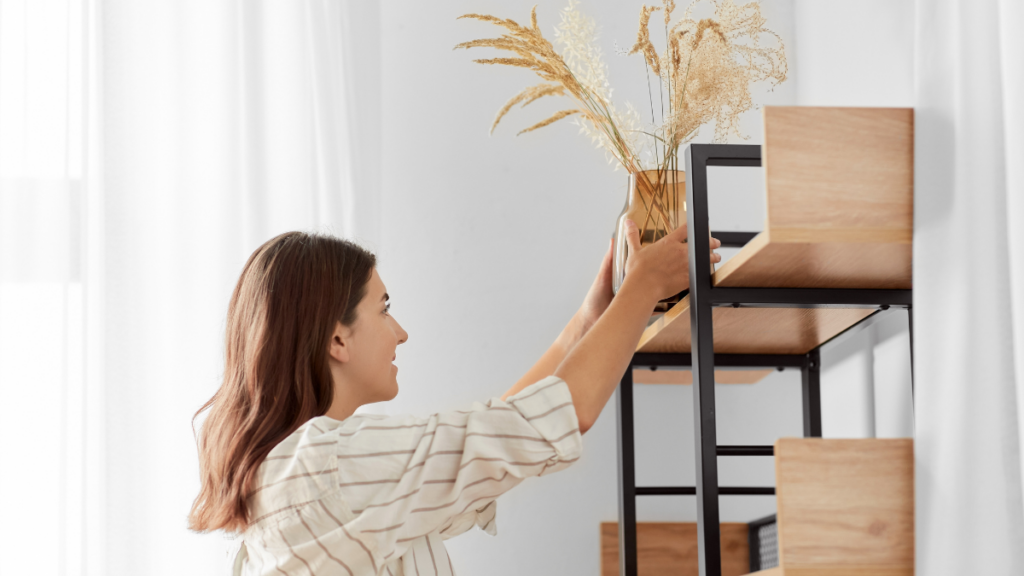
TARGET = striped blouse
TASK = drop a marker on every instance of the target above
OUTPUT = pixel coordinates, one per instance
(378, 494)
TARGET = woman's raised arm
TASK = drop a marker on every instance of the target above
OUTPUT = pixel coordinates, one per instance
(593, 368)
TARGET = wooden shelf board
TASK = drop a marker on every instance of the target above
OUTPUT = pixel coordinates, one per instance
(671, 548)
(752, 330)
(769, 572)
(767, 263)
(836, 571)
(685, 377)
(845, 506)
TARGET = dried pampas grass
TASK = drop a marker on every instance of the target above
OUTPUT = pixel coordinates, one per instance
(704, 73)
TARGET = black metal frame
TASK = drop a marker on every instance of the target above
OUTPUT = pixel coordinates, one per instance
(702, 359)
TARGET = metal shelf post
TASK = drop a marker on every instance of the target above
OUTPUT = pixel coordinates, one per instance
(627, 476)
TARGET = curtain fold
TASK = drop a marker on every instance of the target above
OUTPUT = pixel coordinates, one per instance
(968, 287)
(146, 149)
(1011, 51)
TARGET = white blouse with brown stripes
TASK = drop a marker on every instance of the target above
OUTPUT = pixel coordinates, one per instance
(379, 494)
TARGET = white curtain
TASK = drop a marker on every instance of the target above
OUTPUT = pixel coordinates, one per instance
(969, 286)
(146, 148)
(48, 480)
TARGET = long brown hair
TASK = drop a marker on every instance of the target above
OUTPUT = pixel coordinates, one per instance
(283, 311)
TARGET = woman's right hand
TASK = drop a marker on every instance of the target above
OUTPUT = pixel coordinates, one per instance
(663, 266)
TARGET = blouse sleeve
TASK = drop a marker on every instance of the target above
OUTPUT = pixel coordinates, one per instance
(405, 477)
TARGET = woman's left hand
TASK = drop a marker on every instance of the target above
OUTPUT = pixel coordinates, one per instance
(599, 296)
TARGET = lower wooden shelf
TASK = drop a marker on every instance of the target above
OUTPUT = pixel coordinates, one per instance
(845, 507)
(833, 571)
(752, 330)
(671, 548)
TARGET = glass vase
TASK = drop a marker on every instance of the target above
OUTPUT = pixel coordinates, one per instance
(656, 202)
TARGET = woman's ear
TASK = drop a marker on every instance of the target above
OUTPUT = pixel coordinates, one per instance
(340, 348)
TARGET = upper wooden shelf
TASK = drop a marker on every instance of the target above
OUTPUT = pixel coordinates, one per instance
(839, 186)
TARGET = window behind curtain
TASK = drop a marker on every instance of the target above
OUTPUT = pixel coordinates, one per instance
(41, 344)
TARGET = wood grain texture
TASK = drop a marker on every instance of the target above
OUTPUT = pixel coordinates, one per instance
(765, 263)
(845, 507)
(769, 572)
(839, 168)
(752, 330)
(848, 571)
(834, 571)
(670, 548)
(685, 377)
(839, 186)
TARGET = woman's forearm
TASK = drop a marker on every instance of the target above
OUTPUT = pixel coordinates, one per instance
(554, 356)
(594, 366)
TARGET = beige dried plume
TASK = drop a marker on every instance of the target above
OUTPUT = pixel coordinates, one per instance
(579, 75)
(713, 62)
(527, 96)
(643, 39)
(551, 119)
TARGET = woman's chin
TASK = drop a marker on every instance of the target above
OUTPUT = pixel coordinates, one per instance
(394, 383)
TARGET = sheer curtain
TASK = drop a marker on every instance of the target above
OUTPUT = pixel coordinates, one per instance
(145, 150)
(969, 287)
(52, 460)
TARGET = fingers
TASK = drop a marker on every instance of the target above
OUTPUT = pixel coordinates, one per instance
(632, 237)
(715, 244)
(680, 234)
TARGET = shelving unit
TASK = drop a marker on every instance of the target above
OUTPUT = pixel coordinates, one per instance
(836, 251)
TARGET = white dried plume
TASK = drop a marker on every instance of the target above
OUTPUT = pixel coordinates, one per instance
(577, 36)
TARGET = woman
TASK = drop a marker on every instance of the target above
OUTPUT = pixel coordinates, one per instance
(313, 488)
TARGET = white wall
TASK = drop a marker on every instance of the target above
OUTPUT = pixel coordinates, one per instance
(488, 246)
(854, 52)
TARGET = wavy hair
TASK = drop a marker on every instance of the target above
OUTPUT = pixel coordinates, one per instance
(292, 291)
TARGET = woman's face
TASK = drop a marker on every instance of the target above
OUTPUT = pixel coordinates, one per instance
(367, 372)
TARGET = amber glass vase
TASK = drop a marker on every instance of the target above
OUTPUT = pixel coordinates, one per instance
(656, 202)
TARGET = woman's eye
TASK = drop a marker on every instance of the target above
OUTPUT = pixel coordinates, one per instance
(387, 308)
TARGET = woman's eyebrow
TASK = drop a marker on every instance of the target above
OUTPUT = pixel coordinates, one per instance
(385, 298)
